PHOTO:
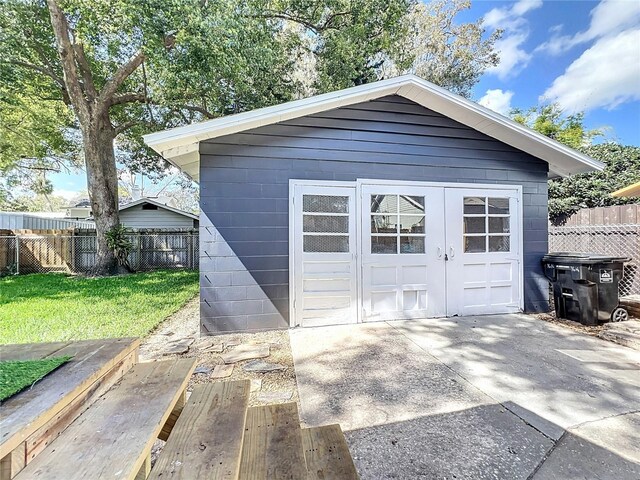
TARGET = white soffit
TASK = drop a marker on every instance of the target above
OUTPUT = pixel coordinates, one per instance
(180, 145)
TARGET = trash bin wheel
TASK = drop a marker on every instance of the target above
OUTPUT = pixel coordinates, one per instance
(619, 315)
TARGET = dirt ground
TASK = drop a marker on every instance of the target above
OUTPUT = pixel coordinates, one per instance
(184, 324)
(551, 318)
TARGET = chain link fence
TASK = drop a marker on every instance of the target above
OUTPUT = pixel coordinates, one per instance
(77, 253)
(621, 240)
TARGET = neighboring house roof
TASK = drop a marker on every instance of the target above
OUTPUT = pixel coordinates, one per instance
(159, 205)
(180, 146)
(632, 190)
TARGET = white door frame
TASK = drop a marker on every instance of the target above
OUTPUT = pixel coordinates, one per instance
(359, 233)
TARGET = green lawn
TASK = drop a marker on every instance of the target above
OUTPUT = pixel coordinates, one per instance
(54, 307)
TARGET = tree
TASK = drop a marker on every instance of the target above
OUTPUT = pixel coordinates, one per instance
(35, 203)
(126, 67)
(586, 190)
(436, 48)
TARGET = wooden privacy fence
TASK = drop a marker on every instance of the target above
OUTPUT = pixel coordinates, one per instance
(606, 230)
(74, 251)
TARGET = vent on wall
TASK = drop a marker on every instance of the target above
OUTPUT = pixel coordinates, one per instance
(149, 206)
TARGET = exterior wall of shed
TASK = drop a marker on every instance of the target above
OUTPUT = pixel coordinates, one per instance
(244, 180)
(136, 217)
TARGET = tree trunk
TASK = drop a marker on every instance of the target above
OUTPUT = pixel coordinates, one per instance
(102, 181)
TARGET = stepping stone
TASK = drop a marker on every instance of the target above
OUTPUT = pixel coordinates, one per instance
(245, 352)
(274, 397)
(256, 385)
(210, 345)
(178, 347)
(187, 341)
(262, 366)
(222, 371)
(203, 369)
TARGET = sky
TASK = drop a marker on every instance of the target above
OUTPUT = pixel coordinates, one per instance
(582, 54)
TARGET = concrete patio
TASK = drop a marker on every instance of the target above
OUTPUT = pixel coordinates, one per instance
(492, 397)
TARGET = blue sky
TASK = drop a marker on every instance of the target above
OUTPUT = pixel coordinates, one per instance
(583, 54)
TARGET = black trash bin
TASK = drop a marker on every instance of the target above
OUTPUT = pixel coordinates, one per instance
(585, 286)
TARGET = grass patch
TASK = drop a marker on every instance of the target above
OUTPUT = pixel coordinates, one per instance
(16, 375)
(57, 307)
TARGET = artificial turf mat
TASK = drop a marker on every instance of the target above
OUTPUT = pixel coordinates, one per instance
(15, 376)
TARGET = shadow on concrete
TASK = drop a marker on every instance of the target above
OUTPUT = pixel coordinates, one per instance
(475, 397)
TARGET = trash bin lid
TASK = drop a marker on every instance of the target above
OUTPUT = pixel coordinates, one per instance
(580, 257)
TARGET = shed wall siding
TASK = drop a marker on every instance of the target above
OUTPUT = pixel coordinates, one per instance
(245, 194)
(136, 217)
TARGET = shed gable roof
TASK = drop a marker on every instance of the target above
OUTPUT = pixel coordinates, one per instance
(159, 205)
(180, 146)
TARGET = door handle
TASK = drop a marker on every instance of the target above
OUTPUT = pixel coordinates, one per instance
(439, 252)
(452, 252)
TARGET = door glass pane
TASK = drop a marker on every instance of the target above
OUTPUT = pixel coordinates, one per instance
(384, 203)
(474, 225)
(325, 223)
(410, 204)
(411, 244)
(325, 244)
(499, 243)
(384, 223)
(474, 205)
(325, 203)
(384, 244)
(411, 224)
(499, 205)
(498, 224)
(475, 244)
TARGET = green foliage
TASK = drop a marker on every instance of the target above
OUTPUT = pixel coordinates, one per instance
(586, 190)
(118, 241)
(15, 376)
(56, 307)
(551, 121)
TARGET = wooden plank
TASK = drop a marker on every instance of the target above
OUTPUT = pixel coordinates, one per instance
(12, 463)
(206, 441)
(113, 438)
(26, 412)
(272, 447)
(173, 417)
(30, 351)
(42, 437)
(327, 454)
(145, 469)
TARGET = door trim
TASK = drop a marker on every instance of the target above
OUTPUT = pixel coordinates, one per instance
(358, 183)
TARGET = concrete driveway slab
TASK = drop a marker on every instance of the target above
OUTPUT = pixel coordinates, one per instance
(503, 397)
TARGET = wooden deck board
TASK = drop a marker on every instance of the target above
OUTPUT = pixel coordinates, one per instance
(327, 454)
(113, 438)
(272, 447)
(24, 413)
(206, 441)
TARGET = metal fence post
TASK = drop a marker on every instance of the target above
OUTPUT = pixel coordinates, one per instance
(17, 254)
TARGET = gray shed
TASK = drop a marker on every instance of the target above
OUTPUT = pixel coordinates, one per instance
(391, 200)
(149, 213)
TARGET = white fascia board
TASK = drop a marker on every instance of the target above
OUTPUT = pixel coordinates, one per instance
(562, 160)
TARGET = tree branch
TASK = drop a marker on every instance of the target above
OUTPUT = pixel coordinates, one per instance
(125, 126)
(65, 52)
(85, 69)
(119, 77)
(129, 97)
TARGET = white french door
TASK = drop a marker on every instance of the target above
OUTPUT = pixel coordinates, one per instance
(374, 250)
(324, 255)
(402, 260)
(483, 251)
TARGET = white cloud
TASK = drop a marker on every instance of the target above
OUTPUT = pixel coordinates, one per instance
(513, 57)
(606, 75)
(497, 100)
(609, 17)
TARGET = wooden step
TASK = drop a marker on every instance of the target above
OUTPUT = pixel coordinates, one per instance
(113, 438)
(32, 419)
(272, 446)
(206, 441)
(327, 454)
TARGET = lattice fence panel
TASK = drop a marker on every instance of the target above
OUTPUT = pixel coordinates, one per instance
(620, 240)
